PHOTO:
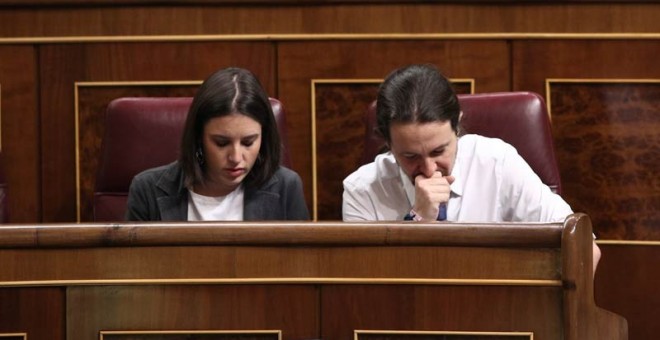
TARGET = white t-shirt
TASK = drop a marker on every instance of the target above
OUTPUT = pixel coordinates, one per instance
(493, 183)
(223, 208)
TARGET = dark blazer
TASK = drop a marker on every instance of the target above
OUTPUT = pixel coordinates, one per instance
(159, 194)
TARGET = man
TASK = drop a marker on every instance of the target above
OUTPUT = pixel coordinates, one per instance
(431, 174)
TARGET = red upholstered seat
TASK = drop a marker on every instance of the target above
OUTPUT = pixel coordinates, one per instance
(142, 133)
(519, 118)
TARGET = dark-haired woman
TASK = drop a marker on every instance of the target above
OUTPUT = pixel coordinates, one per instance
(229, 168)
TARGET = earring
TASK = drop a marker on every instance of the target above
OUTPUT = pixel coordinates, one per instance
(199, 155)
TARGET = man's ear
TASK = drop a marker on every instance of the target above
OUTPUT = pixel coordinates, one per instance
(459, 131)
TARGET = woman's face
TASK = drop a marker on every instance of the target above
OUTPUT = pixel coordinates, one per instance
(231, 147)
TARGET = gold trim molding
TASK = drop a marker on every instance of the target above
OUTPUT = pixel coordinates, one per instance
(13, 335)
(357, 333)
(292, 280)
(196, 332)
(78, 85)
(627, 243)
(325, 37)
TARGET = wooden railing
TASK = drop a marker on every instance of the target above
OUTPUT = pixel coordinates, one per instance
(302, 281)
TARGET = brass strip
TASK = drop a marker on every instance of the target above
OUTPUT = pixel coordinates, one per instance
(628, 243)
(13, 335)
(289, 280)
(196, 331)
(77, 85)
(323, 37)
(357, 332)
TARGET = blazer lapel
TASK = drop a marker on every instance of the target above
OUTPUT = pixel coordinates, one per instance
(261, 205)
(173, 203)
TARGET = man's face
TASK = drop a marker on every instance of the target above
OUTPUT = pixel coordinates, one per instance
(423, 148)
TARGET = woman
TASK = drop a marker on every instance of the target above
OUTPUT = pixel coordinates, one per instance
(229, 168)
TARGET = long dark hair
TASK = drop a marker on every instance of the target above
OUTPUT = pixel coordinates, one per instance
(227, 91)
(416, 93)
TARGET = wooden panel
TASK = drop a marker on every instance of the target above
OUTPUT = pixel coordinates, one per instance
(313, 280)
(609, 151)
(63, 65)
(116, 20)
(537, 61)
(627, 283)
(157, 262)
(92, 102)
(292, 309)
(299, 63)
(19, 121)
(19, 315)
(429, 308)
(248, 251)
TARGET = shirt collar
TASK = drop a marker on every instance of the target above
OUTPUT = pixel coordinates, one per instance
(408, 187)
(459, 183)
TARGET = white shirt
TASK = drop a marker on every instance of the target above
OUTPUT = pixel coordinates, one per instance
(493, 183)
(223, 208)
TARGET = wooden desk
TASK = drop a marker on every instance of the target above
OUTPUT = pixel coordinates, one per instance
(326, 281)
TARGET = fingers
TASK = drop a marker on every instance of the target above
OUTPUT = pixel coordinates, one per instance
(430, 193)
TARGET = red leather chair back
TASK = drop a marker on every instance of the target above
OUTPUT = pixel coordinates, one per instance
(519, 118)
(142, 133)
(4, 209)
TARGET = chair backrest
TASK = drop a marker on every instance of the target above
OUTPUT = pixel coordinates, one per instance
(142, 133)
(519, 118)
(4, 208)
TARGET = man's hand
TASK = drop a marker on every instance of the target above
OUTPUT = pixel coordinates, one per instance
(430, 192)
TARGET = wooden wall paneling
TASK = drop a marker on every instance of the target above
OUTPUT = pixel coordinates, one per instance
(300, 63)
(291, 309)
(607, 134)
(535, 62)
(37, 312)
(296, 18)
(19, 130)
(441, 309)
(610, 61)
(627, 283)
(65, 64)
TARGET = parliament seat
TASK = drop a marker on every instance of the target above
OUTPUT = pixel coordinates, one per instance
(519, 118)
(142, 133)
